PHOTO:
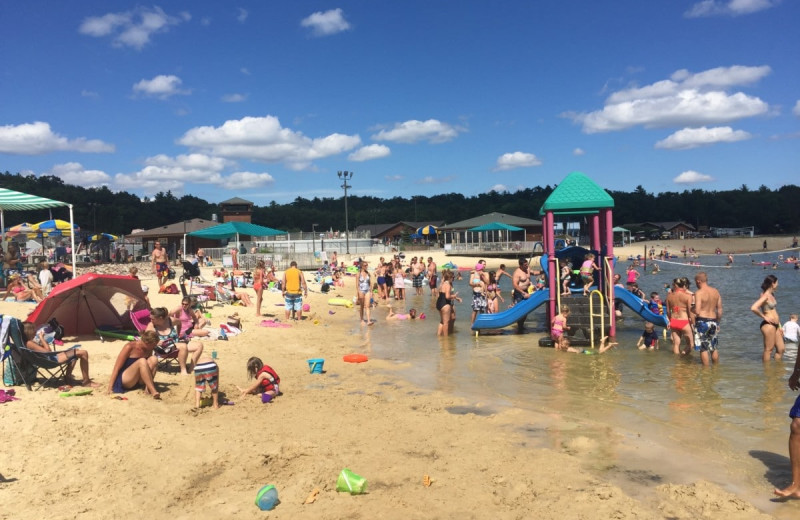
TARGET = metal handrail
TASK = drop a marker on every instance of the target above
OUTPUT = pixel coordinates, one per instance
(592, 315)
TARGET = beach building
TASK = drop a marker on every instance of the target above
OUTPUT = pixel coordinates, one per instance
(492, 234)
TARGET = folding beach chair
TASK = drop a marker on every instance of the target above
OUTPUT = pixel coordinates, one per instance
(166, 358)
(30, 365)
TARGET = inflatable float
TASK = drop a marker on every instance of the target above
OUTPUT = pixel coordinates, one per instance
(341, 302)
(355, 358)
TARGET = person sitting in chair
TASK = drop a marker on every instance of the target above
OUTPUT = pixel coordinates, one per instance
(233, 295)
(169, 333)
(22, 293)
(36, 341)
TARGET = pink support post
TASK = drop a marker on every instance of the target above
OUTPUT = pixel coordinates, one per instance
(609, 232)
(550, 247)
(596, 232)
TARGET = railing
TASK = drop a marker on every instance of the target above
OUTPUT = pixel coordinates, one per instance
(493, 247)
(592, 315)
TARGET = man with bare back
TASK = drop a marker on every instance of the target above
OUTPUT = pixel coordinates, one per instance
(159, 262)
(707, 314)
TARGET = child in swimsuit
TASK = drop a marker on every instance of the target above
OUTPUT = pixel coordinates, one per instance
(412, 314)
(649, 338)
(557, 327)
(206, 372)
(266, 380)
(493, 294)
(587, 272)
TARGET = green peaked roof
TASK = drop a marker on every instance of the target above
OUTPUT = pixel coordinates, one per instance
(577, 193)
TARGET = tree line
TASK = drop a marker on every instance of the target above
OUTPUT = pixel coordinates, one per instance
(102, 210)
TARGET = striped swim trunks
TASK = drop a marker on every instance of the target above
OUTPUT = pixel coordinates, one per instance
(206, 373)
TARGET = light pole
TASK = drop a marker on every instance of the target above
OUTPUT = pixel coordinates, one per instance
(313, 249)
(346, 176)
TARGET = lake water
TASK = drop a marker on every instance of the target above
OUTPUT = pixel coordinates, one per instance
(727, 424)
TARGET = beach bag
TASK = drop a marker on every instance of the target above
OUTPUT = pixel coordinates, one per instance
(11, 375)
(210, 294)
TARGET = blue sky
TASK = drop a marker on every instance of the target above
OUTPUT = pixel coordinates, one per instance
(267, 100)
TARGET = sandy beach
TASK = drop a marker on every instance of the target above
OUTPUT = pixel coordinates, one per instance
(95, 457)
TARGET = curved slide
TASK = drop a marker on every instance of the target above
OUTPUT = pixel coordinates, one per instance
(639, 306)
(512, 315)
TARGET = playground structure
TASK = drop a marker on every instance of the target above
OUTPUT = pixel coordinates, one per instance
(576, 197)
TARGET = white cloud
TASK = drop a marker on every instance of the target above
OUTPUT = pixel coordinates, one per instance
(413, 131)
(394, 178)
(245, 71)
(161, 86)
(578, 152)
(248, 180)
(373, 151)
(162, 172)
(796, 109)
(693, 137)
(75, 173)
(131, 28)
(499, 188)
(234, 98)
(264, 139)
(707, 8)
(685, 99)
(436, 180)
(37, 138)
(242, 16)
(89, 94)
(692, 177)
(327, 23)
(511, 161)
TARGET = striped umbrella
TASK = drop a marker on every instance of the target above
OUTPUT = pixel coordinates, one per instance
(103, 236)
(427, 230)
(23, 228)
(54, 225)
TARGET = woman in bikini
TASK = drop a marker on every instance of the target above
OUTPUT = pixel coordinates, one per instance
(766, 307)
(259, 282)
(169, 334)
(679, 311)
(20, 292)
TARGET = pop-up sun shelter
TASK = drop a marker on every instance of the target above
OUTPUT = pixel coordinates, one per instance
(11, 200)
(91, 301)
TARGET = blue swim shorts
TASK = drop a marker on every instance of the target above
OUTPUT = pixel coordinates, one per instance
(293, 301)
(795, 411)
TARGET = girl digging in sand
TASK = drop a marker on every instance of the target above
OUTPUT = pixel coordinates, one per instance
(266, 380)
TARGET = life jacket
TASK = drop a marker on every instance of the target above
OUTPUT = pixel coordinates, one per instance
(272, 380)
(656, 307)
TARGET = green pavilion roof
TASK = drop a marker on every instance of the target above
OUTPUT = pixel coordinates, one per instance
(576, 194)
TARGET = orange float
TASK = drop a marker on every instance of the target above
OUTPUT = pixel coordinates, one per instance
(355, 358)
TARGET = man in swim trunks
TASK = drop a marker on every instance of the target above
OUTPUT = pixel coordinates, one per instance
(432, 278)
(708, 313)
(159, 262)
(520, 281)
(417, 268)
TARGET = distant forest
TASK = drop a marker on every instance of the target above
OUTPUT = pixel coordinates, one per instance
(769, 211)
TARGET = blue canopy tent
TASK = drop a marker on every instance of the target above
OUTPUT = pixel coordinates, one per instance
(233, 229)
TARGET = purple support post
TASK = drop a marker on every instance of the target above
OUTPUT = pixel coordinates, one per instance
(596, 232)
(552, 264)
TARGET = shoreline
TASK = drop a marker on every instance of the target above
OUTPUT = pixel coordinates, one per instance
(177, 461)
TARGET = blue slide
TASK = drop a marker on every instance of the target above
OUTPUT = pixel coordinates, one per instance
(639, 306)
(512, 315)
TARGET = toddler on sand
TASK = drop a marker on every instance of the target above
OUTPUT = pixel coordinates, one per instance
(266, 380)
(206, 373)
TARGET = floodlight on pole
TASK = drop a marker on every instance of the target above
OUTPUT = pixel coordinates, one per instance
(313, 226)
(345, 176)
